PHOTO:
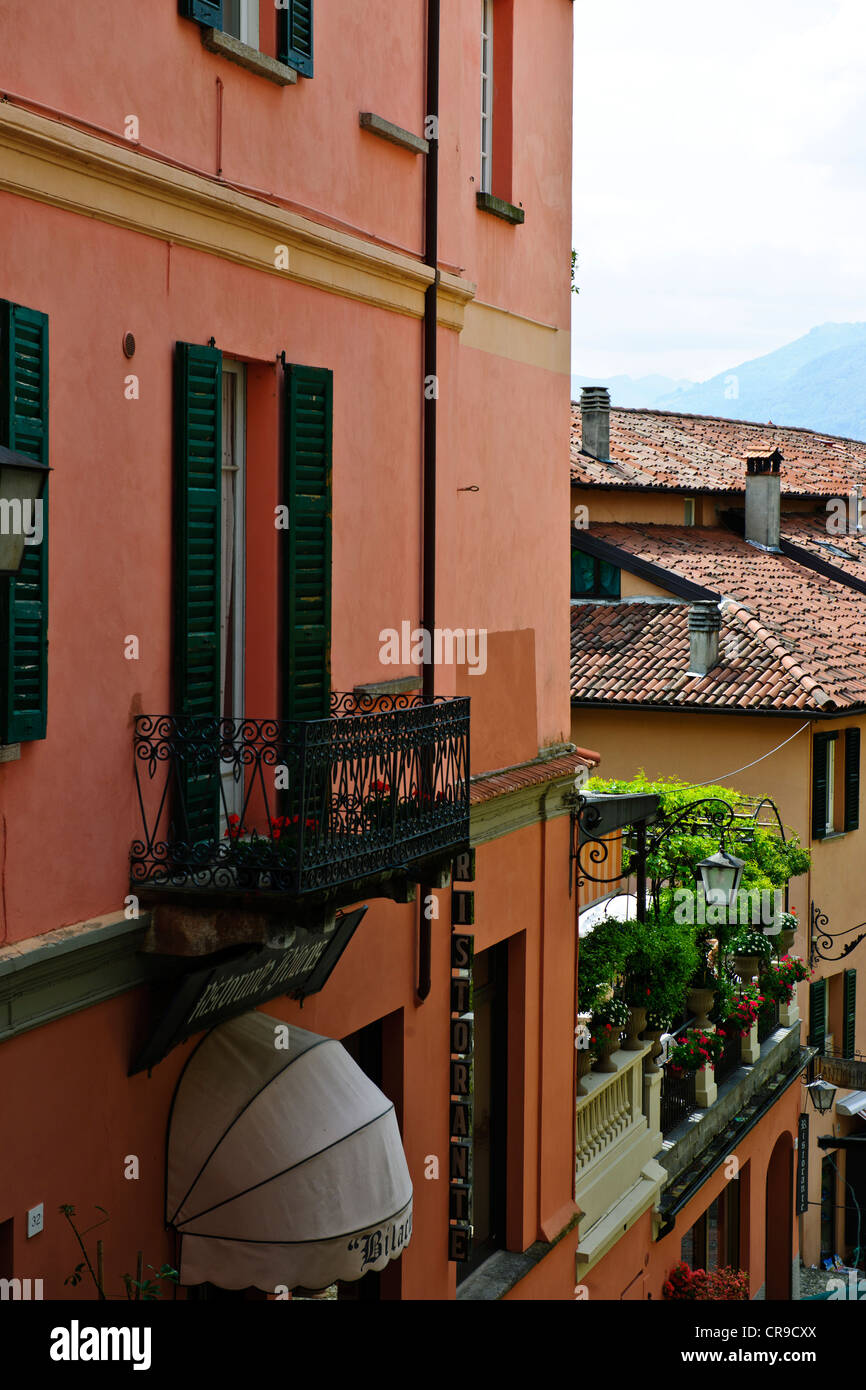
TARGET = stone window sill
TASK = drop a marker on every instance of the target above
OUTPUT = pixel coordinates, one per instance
(246, 57)
(485, 202)
(395, 134)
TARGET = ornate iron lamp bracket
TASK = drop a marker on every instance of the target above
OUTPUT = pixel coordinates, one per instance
(821, 940)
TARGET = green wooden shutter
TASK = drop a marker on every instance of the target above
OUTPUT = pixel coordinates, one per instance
(852, 779)
(209, 12)
(24, 597)
(819, 786)
(818, 1014)
(306, 612)
(849, 1013)
(295, 31)
(197, 594)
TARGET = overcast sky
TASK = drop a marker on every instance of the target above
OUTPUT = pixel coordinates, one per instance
(719, 179)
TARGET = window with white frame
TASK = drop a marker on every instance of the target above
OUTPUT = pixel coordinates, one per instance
(486, 94)
(830, 773)
(241, 20)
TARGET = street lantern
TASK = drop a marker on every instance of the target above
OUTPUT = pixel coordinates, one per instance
(720, 876)
(22, 481)
(822, 1095)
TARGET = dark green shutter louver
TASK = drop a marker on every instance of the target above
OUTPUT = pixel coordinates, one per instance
(818, 1014)
(295, 44)
(209, 12)
(197, 594)
(849, 1006)
(819, 786)
(24, 597)
(608, 580)
(582, 573)
(307, 569)
(852, 779)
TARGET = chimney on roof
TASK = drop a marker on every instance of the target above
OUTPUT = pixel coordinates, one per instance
(763, 499)
(595, 421)
(705, 622)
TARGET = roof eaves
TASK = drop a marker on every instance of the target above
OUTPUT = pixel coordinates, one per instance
(645, 569)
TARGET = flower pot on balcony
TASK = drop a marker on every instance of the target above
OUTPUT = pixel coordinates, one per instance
(584, 1066)
(746, 966)
(652, 1035)
(700, 1001)
(785, 940)
(609, 1046)
(636, 1024)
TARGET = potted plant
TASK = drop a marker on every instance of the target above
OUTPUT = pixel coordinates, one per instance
(657, 1023)
(701, 995)
(607, 1022)
(742, 1017)
(780, 978)
(601, 961)
(637, 993)
(377, 807)
(660, 959)
(695, 1050)
(788, 924)
(749, 949)
(240, 852)
(589, 1048)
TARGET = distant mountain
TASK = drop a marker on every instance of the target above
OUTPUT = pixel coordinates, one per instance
(817, 382)
(641, 392)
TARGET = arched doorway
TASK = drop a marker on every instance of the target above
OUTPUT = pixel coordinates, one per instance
(779, 1219)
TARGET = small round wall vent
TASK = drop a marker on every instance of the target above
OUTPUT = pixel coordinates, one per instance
(129, 344)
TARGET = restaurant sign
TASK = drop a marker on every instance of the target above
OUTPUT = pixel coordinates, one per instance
(803, 1164)
(216, 993)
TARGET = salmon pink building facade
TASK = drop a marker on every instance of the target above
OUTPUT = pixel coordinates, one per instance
(284, 307)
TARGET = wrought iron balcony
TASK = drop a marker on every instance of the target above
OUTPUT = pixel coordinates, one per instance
(294, 808)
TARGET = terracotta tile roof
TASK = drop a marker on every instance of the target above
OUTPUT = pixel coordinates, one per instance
(805, 630)
(700, 453)
(536, 773)
(638, 653)
(845, 552)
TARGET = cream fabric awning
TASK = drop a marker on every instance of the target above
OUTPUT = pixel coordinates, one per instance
(853, 1104)
(284, 1164)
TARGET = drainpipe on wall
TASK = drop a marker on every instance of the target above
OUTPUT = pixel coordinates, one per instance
(430, 392)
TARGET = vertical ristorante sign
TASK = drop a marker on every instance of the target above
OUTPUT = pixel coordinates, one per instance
(802, 1164)
(462, 1048)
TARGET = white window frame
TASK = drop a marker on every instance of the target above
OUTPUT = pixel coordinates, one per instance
(248, 11)
(831, 784)
(486, 95)
(234, 382)
(689, 511)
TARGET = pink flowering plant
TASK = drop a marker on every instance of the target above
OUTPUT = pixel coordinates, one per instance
(779, 979)
(695, 1050)
(724, 1285)
(744, 1015)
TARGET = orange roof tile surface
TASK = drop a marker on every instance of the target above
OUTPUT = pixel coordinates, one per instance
(791, 638)
(512, 779)
(700, 453)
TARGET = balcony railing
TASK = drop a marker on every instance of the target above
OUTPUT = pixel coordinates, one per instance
(613, 1108)
(730, 1058)
(768, 1021)
(678, 1089)
(293, 807)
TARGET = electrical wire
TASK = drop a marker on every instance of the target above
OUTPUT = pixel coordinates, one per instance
(723, 777)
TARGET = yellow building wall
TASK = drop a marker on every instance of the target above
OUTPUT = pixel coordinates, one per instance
(708, 748)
